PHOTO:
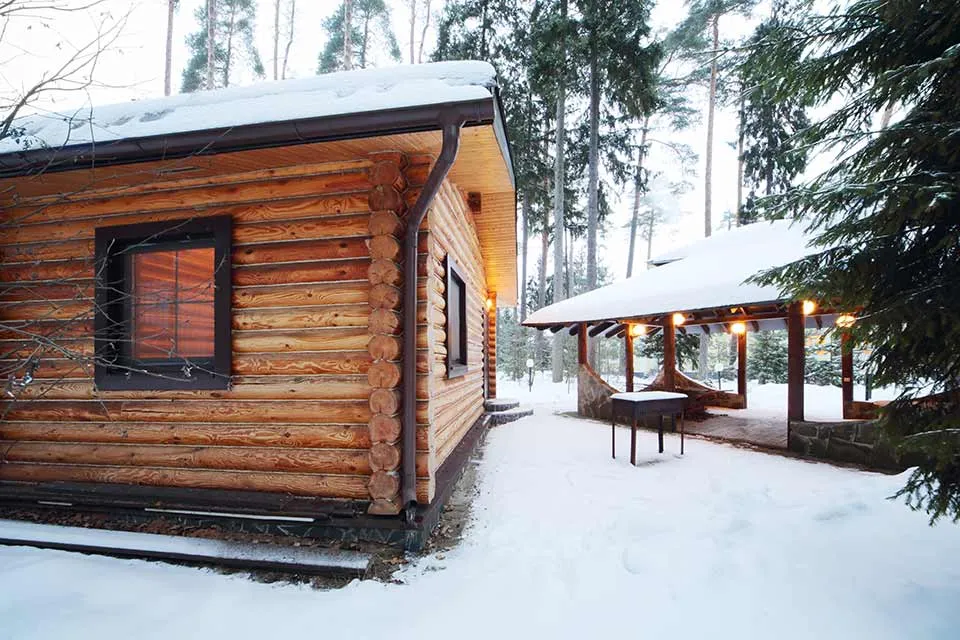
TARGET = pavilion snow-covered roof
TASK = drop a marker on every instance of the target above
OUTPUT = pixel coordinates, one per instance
(348, 92)
(709, 274)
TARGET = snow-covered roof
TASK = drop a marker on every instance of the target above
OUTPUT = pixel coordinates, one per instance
(347, 92)
(711, 273)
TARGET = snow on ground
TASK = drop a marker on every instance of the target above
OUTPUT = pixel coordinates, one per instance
(567, 543)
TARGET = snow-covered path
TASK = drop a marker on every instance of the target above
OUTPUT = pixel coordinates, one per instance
(567, 543)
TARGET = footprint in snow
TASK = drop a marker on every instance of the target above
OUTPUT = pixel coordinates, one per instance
(840, 512)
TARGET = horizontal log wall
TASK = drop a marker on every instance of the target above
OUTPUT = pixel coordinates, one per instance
(315, 304)
(454, 403)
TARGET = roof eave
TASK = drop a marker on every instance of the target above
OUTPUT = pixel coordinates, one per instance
(485, 111)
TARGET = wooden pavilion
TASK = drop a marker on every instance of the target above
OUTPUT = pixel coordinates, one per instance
(704, 288)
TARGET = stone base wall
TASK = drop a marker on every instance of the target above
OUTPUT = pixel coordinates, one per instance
(593, 394)
(856, 442)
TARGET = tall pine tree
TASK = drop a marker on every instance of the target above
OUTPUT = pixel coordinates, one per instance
(888, 209)
(370, 31)
(770, 125)
(233, 48)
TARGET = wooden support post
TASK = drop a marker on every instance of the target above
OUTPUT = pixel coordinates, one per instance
(628, 345)
(846, 372)
(669, 354)
(742, 366)
(492, 345)
(795, 362)
(582, 344)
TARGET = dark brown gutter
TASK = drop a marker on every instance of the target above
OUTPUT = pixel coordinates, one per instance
(247, 137)
(450, 128)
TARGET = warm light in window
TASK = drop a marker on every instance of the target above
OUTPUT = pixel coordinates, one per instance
(679, 319)
(845, 321)
(637, 330)
(809, 306)
(738, 328)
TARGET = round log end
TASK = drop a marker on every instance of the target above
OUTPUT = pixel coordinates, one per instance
(385, 401)
(384, 457)
(384, 348)
(384, 322)
(384, 375)
(385, 296)
(384, 429)
(385, 507)
(384, 272)
(384, 485)
(384, 248)
(385, 197)
(385, 223)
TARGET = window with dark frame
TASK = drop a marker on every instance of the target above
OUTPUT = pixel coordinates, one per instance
(456, 299)
(162, 317)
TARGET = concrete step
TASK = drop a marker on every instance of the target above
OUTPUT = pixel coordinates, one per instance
(129, 544)
(501, 404)
(510, 415)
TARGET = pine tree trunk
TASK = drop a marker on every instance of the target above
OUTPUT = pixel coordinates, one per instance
(593, 187)
(168, 57)
(740, 163)
(708, 171)
(413, 26)
(211, 41)
(276, 39)
(649, 241)
(711, 109)
(525, 221)
(423, 32)
(558, 193)
(637, 193)
(229, 56)
(366, 39)
(347, 33)
(286, 51)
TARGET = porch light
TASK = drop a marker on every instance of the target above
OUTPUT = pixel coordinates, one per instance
(489, 303)
(845, 321)
(738, 328)
(637, 330)
(808, 307)
(679, 319)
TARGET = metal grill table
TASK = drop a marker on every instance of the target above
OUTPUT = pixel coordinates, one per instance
(643, 403)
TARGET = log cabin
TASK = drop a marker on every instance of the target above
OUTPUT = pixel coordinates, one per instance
(276, 301)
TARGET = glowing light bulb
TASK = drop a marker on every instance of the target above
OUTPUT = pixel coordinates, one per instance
(637, 330)
(679, 319)
(808, 307)
(845, 321)
(738, 328)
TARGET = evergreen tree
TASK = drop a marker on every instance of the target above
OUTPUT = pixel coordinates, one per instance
(889, 210)
(232, 46)
(622, 66)
(370, 31)
(767, 357)
(769, 125)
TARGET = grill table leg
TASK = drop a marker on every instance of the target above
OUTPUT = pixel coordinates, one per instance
(633, 441)
(660, 433)
(613, 435)
(681, 433)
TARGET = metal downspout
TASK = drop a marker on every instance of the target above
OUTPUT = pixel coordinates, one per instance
(451, 126)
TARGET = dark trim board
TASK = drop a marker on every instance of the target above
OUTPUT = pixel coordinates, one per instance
(254, 512)
(240, 555)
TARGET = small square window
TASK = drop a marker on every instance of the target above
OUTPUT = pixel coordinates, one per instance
(456, 299)
(163, 305)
